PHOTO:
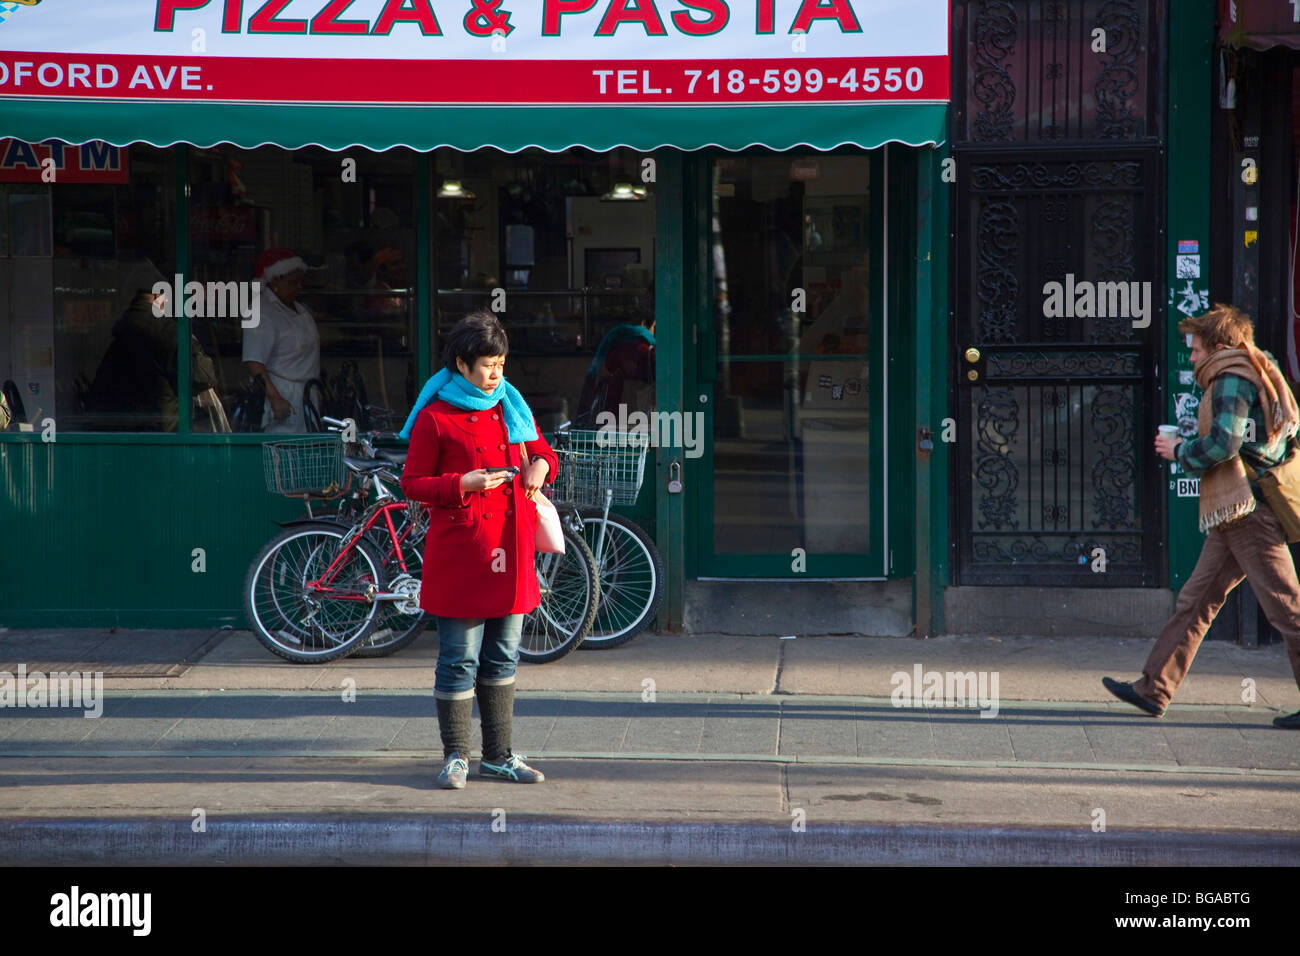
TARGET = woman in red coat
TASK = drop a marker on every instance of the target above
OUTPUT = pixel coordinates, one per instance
(479, 579)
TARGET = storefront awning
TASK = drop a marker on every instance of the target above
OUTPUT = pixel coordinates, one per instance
(1260, 24)
(510, 129)
(385, 73)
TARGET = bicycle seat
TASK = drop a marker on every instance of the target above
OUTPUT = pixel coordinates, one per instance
(364, 466)
(395, 457)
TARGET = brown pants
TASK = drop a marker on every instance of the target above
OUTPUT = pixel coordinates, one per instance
(1252, 547)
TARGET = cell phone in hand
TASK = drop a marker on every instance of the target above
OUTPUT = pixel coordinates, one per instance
(511, 470)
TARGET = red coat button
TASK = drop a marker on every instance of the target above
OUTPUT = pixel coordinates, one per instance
(509, 512)
(480, 447)
(488, 515)
(499, 448)
(473, 418)
(496, 418)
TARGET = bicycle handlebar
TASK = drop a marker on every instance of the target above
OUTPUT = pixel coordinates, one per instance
(362, 437)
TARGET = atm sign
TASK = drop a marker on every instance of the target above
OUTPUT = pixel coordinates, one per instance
(57, 162)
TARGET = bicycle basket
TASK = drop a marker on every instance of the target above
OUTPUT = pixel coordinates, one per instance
(592, 462)
(307, 466)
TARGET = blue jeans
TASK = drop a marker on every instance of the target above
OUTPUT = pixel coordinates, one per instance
(471, 649)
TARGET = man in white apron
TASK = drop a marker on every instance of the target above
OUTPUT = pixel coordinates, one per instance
(283, 349)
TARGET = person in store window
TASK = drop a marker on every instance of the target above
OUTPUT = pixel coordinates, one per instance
(390, 273)
(479, 576)
(622, 372)
(283, 349)
(135, 385)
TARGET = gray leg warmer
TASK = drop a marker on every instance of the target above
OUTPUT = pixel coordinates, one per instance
(496, 705)
(453, 724)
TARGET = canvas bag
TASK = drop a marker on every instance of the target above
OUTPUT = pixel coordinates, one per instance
(1280, 486)
(550, 533)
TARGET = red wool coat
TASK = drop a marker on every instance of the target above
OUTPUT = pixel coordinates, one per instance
(465, 532)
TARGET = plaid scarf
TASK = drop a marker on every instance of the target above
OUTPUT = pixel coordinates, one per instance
(1225, 492)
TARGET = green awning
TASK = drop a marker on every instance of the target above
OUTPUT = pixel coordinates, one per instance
(468, 128)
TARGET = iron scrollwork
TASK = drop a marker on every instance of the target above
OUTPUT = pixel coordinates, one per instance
(1113, 411)
(997, 422)
(1119, 81)
(995, 23)
(998, 287)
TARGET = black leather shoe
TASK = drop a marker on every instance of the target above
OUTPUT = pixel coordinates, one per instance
(1126, 693)
(1290, 722)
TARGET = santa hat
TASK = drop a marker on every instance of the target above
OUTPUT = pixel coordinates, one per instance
(274, 263)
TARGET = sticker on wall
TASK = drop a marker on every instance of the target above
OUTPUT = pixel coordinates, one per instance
(1186, 377)
(1193, 301)
(837, 393)
(1187, 267)
(1189, 487)
(1188, 247)
(1185, 408)
(853, 387)
(823, 381)
(1250, 237)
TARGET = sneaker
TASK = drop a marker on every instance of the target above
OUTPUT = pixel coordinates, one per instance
(454, 773)
(1126, 693)
(511, 768)
(1289, 722)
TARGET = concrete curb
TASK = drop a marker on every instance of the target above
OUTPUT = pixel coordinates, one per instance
(407, 839)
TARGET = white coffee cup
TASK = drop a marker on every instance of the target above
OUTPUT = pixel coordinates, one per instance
(1169, 431)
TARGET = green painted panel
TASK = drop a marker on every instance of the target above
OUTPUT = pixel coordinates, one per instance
(932, 283)
(902, 503)
(671, 319)
(508, 128)
(103, 534)
(697, 315)
(1191, 41)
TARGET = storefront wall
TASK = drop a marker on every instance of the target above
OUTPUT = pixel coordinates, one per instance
(163, 512)
(567, 168)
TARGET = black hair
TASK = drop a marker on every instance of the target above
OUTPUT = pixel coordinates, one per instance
(477, 334)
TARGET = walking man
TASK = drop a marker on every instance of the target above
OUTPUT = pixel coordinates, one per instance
(1247, 411)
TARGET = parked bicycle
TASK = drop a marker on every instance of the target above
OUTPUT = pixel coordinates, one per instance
(320, 588)
(599, 469)
(349, 582)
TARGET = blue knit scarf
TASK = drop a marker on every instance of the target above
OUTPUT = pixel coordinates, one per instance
(458, 390)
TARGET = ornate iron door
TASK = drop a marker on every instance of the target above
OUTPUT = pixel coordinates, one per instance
(1059, 167)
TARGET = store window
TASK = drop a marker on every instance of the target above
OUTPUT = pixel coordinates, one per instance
(83, 230)
(562, 246)
(346, 348)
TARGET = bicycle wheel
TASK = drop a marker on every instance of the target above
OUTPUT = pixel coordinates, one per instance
(303, 624)
(568, 604)
(398, 627)
(631, 579)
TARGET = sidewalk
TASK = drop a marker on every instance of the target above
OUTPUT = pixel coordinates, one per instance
(669, 749)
